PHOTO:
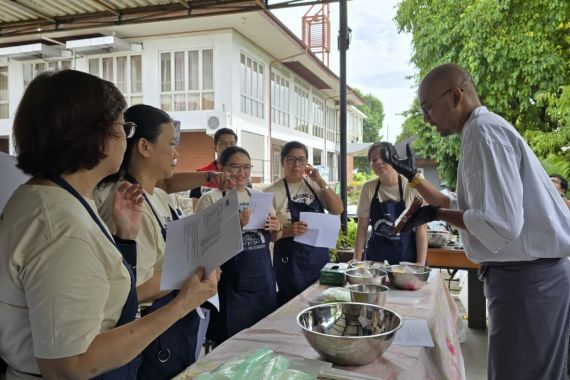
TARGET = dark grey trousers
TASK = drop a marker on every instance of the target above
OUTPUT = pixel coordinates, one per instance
(529, 319)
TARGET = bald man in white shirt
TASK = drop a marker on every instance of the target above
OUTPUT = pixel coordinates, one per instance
(512, 222)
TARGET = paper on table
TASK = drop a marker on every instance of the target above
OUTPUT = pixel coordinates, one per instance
(323, 229)
(208, 238)
(414, 332)
(259, 204)
(12, 177)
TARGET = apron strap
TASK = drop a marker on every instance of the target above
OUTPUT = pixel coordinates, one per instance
(377, 192)
(173, 212)
(400, 188)
(287, 190)
(67, 187)
(322, 209)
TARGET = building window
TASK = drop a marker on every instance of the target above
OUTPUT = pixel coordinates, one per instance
(354, 134)
(331, 122)
(301, 109)
(4, 108)
(125, 71)
(31, 70)
(252, 86)
(279, 100)
(187, 80)
(318, 117)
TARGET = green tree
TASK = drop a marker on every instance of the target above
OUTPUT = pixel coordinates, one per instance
(518, 52)
(374, 111)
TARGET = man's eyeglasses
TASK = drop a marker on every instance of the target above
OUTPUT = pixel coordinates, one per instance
(129, 128)
(293, 160)
(236, 168)
(426, 108)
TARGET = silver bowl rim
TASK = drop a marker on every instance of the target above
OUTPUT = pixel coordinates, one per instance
(381, 272)
(350, 337)
(353, 265)
(439, 232)
(384, 288)
(390, 267)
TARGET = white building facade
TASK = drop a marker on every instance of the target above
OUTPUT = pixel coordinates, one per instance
(247, 73)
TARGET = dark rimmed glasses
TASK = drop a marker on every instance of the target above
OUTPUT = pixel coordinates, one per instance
(291, 160)
(236, 168)
(129, 128)
(426, 108)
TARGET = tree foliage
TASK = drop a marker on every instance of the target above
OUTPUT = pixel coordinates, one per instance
(374, 111)
(518, 52)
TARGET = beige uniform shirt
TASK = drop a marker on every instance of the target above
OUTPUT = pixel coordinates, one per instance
(61, 281)
(150, 243)
(300, 193)
(385, 193)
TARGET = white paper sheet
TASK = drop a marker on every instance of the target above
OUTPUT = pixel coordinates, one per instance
(323, 229)
(414, 332)
(208, 238)
(259, 204)
(12, 177)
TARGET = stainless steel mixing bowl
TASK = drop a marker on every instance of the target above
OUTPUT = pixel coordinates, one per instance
(349, 333)
(373, 294)
(367, 264)
(408, 276)
(365, 276)
(438, 239)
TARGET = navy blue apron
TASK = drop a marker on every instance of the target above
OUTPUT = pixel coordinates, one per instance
(175, 349)
(297, 265)
(130, 309)
(383, 244)
(246, 288)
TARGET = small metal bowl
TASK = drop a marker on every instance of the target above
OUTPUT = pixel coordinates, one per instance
(349, 333)
(438, 239)
(401, 276)
(365, 276)
(373, 294)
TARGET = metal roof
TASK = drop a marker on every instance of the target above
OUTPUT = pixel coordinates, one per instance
(21, 17)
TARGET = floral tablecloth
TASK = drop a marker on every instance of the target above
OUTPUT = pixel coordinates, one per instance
(280, 333)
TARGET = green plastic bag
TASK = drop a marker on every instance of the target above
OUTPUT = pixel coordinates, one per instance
(261, 364)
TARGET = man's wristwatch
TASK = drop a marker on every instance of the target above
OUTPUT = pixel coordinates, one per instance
(210, 176)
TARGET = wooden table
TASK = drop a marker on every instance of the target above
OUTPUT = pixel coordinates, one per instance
(455, 259)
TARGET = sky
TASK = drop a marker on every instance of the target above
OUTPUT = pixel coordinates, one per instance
(377, 59)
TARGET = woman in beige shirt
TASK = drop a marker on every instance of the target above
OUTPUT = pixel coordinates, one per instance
(381, 201)
(302, 189)
(67, 296)
(150, 157)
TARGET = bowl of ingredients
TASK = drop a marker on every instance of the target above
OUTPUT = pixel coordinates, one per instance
(437, 239)
(331, 295)
(365, 276)
(367, 264)
(408, 276)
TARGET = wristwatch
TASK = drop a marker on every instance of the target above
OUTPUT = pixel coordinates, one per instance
(210, 176)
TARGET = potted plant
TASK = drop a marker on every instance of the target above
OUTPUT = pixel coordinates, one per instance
(344, 250)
